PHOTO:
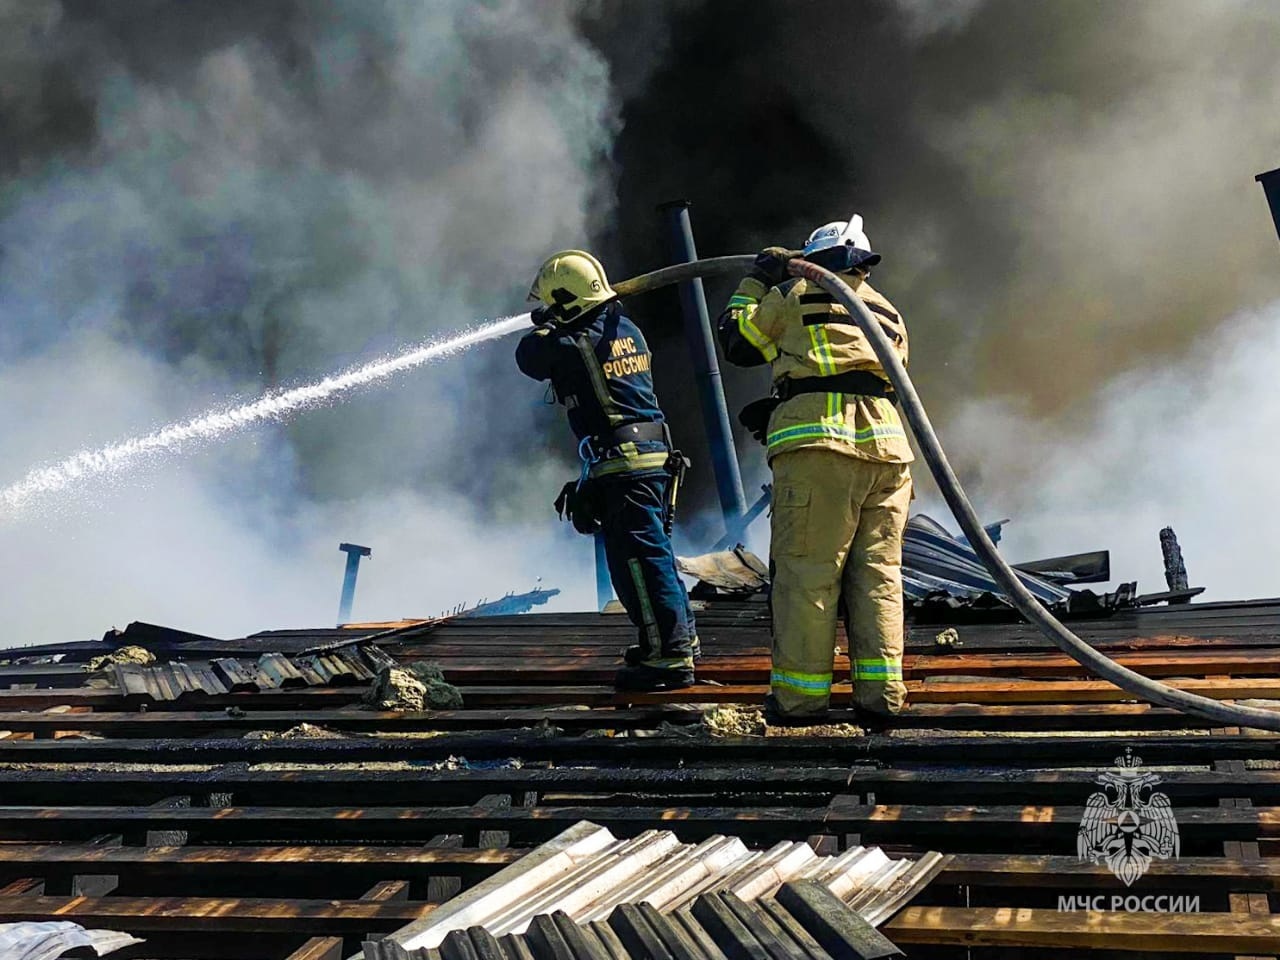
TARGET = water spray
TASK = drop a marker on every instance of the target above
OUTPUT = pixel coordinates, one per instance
(276, 406)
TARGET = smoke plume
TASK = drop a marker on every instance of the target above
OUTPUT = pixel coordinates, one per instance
(209, 198)
(205, 199)
(1064, 197)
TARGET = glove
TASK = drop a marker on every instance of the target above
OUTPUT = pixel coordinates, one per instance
(540, 316)
(770, 266)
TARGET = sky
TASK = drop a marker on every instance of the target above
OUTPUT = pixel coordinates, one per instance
(201, 201)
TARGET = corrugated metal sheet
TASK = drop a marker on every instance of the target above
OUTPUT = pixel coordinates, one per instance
(272, 671)
(804, 921)
(933, 561)
(586, 873)
(48, 941)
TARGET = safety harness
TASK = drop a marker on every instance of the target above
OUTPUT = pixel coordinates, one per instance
(755, 415)
(578, 499)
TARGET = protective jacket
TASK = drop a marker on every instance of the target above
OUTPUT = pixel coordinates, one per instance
(600, 371)
(841, 489)
(599, 368)
(801, 331)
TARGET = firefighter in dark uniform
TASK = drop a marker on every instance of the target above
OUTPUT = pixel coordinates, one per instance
(599, 367)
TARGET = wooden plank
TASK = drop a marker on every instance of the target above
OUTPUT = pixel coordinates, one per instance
(881, 823)
(1069, 873)
(1242, 902)
(331, 948)
(243, 915)
(307, 699)
(983, 692)
(817, 783)
(199, 723)
(285, 862)
(1005, 751)
(1202, 933)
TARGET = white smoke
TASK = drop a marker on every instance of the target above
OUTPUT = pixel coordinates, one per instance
(1188, 445)
(258, 195)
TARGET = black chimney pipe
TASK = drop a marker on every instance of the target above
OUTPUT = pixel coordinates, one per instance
(1271, 186)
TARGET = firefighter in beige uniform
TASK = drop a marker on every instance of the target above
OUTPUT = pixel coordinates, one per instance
(841, 484)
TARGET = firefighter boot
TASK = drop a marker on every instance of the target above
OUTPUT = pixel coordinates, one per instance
(633, 656)
(643, 677)
(774, 717)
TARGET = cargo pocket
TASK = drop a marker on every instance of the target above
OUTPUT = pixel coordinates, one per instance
(790, 528)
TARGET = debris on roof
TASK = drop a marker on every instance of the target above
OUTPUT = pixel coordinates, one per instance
(412, 686)
(941, 575)
(54, 939)
(736, 572)
(586, 873)
(127, 654)
(512, 603)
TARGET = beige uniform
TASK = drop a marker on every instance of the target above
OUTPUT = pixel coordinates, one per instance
(840, 496)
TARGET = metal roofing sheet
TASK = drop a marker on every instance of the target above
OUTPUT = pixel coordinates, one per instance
(587, 873)
(53, 939)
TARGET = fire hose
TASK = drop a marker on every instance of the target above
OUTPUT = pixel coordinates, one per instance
(1144, 688)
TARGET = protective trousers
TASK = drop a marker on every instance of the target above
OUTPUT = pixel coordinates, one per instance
(837, 528)
(642, 566)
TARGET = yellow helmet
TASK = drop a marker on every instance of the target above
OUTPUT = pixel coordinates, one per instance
(570, 282)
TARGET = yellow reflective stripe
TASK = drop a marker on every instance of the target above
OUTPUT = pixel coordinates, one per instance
(753, 334)
(822, 350)
(646, 608)
(629, 464)
(742, 300)
(836, 431)
(812, 684)
(877, 668)
(835, 407)
(669, 663)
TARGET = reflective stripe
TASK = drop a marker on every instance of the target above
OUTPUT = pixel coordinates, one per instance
(742, 300)
(812, 684)
(670, 663)
(630, 464)
(836, 431)
(877, 668)
(822, 350)
(646, 608)
(751, 333)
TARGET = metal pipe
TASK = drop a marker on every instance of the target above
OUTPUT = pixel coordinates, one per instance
(739, 529)
(354, 552)
(706, 369)
(1271, 187)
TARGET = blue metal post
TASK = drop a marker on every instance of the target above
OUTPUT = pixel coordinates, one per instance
(1271, 186)
(354, 552)
(706, 369)
(604, 586)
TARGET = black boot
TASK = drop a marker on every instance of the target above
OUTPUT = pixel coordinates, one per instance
(633, 656)
(642, 677)
(873, 721)
(774, 717)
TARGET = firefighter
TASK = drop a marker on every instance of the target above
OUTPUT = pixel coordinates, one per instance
(599, 366)
(841, 480)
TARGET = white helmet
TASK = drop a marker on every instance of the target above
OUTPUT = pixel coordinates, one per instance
(843, 233)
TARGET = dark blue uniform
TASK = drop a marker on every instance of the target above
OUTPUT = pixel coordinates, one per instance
(599, 368)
